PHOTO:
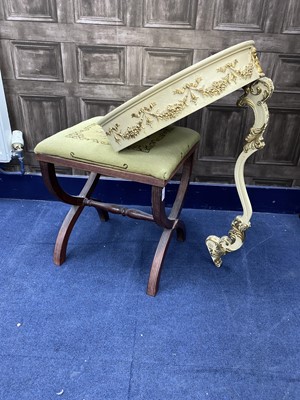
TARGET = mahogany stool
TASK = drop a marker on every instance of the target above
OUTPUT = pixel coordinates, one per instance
(154, 161)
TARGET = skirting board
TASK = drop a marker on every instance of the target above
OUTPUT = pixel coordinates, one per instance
(199, 195)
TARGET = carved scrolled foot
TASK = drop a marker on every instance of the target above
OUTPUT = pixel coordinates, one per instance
(217, 248)
(220, 246)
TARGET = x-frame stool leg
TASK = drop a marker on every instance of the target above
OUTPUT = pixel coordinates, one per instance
(170, 224)
(77, 202)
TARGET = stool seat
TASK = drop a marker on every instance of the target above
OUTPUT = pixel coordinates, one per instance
(153, 160)
(157, 156)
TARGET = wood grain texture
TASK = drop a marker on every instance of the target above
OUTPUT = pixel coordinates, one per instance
(240, 15)
(107, 12)
(291, 22)
(99, 64)
(160, 64)
(170, 13)
(30, 10)
(37, 61)
(43, 116)
(222, 130)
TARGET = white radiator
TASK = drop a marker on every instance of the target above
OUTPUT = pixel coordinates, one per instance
(5, 130)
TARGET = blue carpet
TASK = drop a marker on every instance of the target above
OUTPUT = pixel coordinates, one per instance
(88, 331)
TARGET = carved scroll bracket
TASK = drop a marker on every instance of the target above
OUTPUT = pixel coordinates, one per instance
(255, 96)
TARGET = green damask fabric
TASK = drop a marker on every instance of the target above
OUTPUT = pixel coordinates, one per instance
(157, 155)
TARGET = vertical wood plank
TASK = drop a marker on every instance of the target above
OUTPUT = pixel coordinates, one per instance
(134, 65)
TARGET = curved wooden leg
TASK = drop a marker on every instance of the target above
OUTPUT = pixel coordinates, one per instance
(53, 186)
(256, 95)
(158, 204)
(103, 215)
(160, 253)
(71, 218)
(183, 185)
(64, 233)
(178, 203)
(170, 224)
(77, 202)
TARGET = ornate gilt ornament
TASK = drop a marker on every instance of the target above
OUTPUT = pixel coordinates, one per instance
(190, 93)
(256, 61)
(219, 247)
(255, 96)
(182, 94)
(146, 115)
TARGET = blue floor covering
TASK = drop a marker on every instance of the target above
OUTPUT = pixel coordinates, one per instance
(88, 331)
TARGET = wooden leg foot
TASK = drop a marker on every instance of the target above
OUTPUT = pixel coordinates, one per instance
(64, 233)
(161, 251)
(77, 202)
(103, 215)
(180, 231)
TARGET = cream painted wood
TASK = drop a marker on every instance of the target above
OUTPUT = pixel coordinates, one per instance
(194, 88)
(256, 95)
(182, 94)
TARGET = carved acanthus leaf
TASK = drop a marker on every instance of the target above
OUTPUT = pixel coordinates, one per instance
(190, 93)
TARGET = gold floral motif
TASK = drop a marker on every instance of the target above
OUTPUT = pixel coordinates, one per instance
(261, 89)
(254, 139)
(191, 92)
(256, 61)
(149, 142)
(238, 229)
(217, 87)
(266, 89)
(219, 247)
(82, 134)
(147, 116)
(244, 73)
(114, 131)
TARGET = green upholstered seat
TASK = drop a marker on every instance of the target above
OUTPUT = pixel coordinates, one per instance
(157, 155)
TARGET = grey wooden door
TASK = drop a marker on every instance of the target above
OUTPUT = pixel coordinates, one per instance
(67, 60)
